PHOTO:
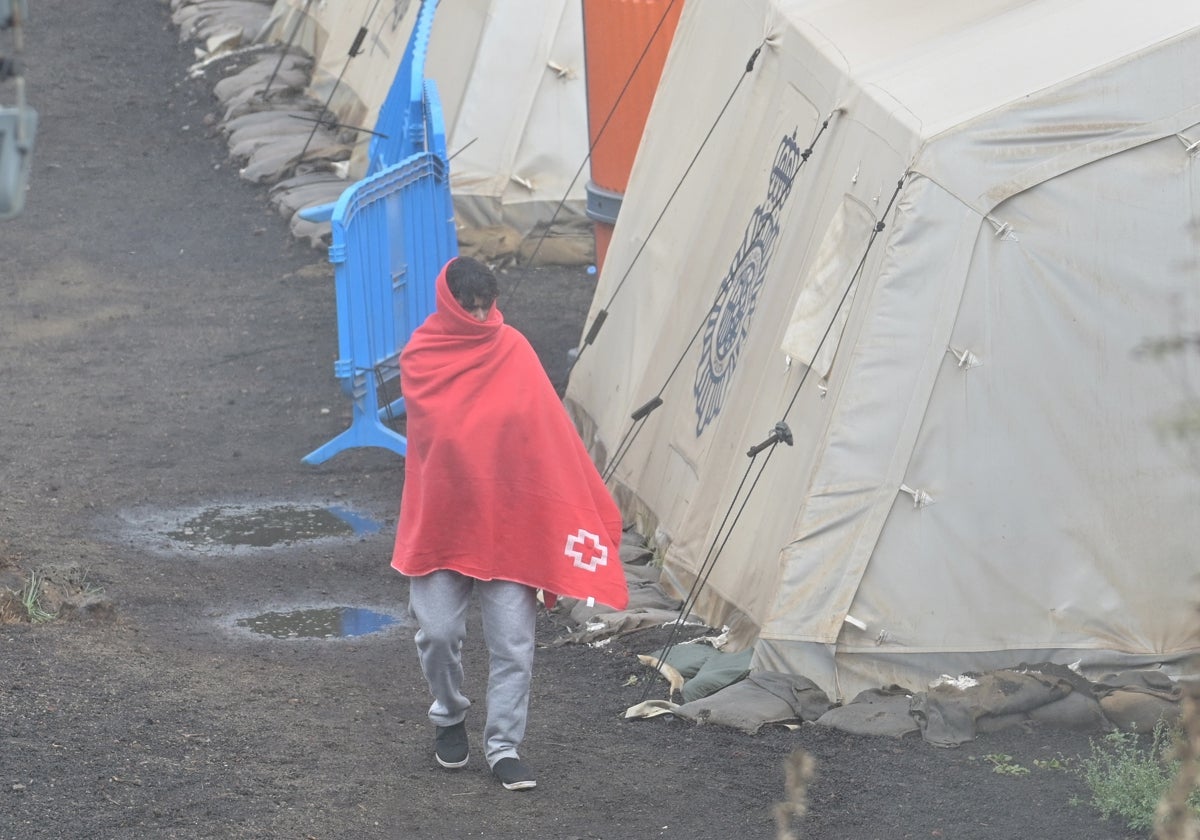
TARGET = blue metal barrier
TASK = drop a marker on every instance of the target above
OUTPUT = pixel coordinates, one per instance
(392, 233)
(403, 125)
(18, 125)
(17, 129)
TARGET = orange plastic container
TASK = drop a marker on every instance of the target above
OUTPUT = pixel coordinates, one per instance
(621, 83)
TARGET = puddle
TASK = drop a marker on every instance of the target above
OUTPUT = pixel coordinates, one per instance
(360, 524)
(324, 623)
(266, 527)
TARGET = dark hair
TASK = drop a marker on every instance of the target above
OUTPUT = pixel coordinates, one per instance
(470, 280)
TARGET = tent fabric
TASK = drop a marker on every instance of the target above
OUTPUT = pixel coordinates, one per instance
(687, 659)
(717, 672)
(881, 712)
(352, 87)
(950, 713)
(705, 669)
(760, 700)
(947, 297)
(219, 22)
(242, 91)
(606, 625)
(510, 76)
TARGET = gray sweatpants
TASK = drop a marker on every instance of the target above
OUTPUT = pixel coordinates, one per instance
(438, 603)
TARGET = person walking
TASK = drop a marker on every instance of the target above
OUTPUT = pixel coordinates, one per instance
(500, 499)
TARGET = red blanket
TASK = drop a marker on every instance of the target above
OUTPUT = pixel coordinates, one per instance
(497, 482)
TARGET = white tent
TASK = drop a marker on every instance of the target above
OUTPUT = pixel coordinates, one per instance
(979, 475)
(511, 79)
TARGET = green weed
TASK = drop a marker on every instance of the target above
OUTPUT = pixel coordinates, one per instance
(1003, 764)
(1128, 777)
(1059, 763)
(29, 599)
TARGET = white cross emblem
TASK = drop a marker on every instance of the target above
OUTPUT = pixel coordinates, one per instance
(585, 542)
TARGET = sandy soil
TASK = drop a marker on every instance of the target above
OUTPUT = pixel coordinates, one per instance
(166, 348)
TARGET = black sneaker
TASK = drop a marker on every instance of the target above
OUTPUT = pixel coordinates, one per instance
(450, 745)
(513, 774)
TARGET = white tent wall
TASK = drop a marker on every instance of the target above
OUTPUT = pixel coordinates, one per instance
(1014, 506)
(1058, 514)
(687, 481)
(518, 131)
(295, 22)
(1058, 524)
(511, 79)
(354, 88)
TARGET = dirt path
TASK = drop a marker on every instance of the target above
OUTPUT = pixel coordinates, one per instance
(166, 349)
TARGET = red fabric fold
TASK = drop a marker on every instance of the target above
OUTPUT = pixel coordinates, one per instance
(497, 483)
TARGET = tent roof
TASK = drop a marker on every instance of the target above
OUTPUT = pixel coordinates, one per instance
(944, 62)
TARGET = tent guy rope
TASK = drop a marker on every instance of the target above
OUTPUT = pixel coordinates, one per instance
(781, 433)
(355, 50)
(594, 330)
(287, 48)
(599, 135)
(639, 416)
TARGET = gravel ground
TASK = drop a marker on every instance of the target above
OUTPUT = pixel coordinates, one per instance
(166, 355)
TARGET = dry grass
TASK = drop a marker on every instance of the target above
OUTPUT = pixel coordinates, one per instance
(799, 771)
(1175, 818)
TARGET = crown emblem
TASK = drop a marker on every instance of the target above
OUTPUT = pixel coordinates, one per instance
(788, 158)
